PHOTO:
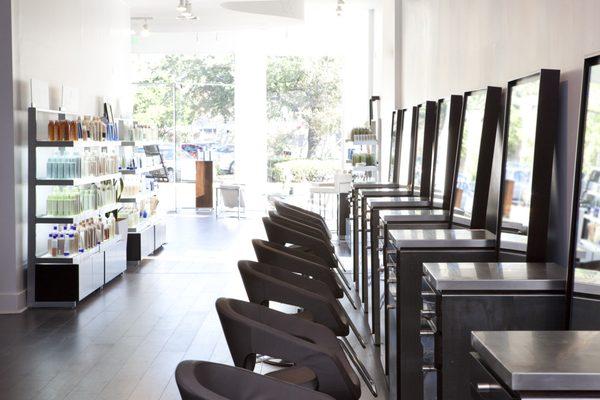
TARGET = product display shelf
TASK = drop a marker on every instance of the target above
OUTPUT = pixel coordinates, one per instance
(372, 142)
(77, 181)
(74, 219)
(78, 144)
(142, 170)
(64, 281)
(144, 224)
(74, 258)
(365, 167)
(138, 143)
(137, 197)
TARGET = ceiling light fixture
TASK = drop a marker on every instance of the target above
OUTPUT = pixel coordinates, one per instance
(181, 6)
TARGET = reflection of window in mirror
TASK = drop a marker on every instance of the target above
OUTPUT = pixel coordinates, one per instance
(441, 152)
(393, 147)
(405, 148)
(522, 120)
(588, 223)
(420, 145)
(469, 153)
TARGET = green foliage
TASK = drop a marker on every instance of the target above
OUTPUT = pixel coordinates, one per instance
(204, 89)
(306, 90)
(297, 171)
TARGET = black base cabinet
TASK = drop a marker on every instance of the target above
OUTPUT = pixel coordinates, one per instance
(70, 283)
(146, 241)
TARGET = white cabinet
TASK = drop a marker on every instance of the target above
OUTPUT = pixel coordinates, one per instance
(147, 241)
(86, 276)
(115, 260)
(98, 269)
(160, 234)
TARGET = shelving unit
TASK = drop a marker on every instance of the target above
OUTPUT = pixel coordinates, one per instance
(150, 234)
(366, 145)
(64, 281)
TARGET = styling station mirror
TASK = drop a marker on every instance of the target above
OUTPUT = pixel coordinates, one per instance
(584, 263)
(407, 249)
(469, 155)
(402, 131)
(531, 114)
(446, 129)
(422, 127)
(463, 273)
(397, 121)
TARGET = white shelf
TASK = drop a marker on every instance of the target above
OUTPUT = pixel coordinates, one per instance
(75, 258)
(138, 143)
(141, 171)
(365, 168)
(77, 181)
(143, 225)
(48, 111)
(78, 143)
(137, 197)
(363, 142)
(77, 218)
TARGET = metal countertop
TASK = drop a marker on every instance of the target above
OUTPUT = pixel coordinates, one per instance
(442, 238)
(414, 215)
(542, 361)
(587, 281)
(505, 276)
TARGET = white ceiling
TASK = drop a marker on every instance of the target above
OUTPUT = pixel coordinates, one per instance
(219, 15)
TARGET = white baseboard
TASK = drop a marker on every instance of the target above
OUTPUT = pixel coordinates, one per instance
(13, 303)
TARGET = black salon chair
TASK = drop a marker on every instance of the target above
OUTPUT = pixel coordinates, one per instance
(301, 215)
(265, 283)
(252, 329)
(300, 262)
(303, 238)
(201, 380)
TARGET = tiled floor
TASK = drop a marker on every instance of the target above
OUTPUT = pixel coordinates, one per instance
(125, 341)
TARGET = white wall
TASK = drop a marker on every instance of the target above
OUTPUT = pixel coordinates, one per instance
(84, 44)
(449, 46)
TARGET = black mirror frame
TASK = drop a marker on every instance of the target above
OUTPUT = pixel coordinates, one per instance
(489, 132)
(546, 132)
(570, 289)
(455, 111)
(395, 148)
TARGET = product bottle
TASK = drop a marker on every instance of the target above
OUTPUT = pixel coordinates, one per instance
(54, 249)
(50, 237)
(51, 130)
(66, 245)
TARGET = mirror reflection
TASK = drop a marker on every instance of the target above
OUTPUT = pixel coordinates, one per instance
(469, 153)
(441, 152)
(522, 120)
(588, 223)
(406, 144)
(420, 144)
(393, 146)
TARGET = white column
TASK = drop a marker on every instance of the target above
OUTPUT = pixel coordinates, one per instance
(12, 292)
(250, 115)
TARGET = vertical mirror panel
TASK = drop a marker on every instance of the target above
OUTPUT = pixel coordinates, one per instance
(522, 121)
(393, 147)
(405, 148)
(441, 152)
(420, 143)
(472, 126)
(588, 223)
